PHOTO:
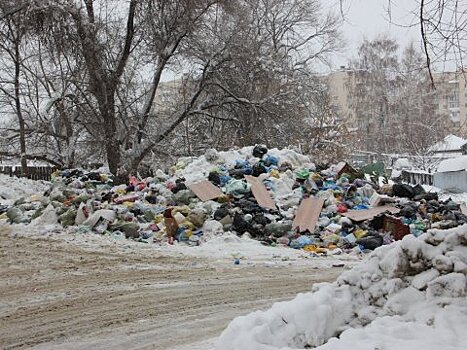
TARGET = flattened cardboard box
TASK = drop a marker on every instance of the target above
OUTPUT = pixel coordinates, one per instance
(260, 192)
(367, 214)
(308, 214)
(205, 190)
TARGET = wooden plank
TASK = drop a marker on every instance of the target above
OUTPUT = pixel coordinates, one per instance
(260, 192)
(205, 190)
(308, 214)
(367, 214)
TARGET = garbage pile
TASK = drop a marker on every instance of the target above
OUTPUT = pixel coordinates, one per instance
(278, 197)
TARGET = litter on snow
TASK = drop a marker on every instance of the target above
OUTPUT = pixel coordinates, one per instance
(278, 197)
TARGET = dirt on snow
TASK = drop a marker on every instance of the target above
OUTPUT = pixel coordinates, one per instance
(56, 294)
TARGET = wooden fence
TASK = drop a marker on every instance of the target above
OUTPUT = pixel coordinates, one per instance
(34, 172)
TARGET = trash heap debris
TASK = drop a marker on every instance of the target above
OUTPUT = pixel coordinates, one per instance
(276, 196)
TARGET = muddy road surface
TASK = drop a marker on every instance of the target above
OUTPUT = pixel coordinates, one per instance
(56, 294)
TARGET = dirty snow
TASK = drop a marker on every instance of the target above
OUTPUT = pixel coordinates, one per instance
(411, 294)
(13, 188)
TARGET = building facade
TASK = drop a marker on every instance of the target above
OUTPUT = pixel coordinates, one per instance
(450, 100)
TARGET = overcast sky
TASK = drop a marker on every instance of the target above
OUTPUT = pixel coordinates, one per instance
(369, 18)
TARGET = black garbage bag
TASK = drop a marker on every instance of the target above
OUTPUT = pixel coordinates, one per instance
(259, 151)
(403, 190)
(248, 206)
(214, 178)
(258, 169)
(408, 211)
(237, 173)
(449, 205)
(371, 242)
(221, 213)
(260, 219)
(426, 196)
(240, 225)
(418, 189)
(179, 186)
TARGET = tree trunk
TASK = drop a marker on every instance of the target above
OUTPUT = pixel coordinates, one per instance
(22, 134)
(112, 145)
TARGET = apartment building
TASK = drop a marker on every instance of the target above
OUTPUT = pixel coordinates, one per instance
(451, 97)
(337, 83)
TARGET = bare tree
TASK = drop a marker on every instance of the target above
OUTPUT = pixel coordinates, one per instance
(372, 89)
(246, 65)
(12, 34)
(393, 100)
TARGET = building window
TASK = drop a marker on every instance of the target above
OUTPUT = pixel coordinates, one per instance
(453, 99)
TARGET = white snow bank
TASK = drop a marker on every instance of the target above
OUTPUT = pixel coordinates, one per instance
(13, 188)
(411, 294)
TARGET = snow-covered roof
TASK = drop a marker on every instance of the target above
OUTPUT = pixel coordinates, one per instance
(402, 163)
(453, 164)
(450, 143)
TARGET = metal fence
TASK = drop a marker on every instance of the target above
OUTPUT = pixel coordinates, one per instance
(453, 181)
(34, 172)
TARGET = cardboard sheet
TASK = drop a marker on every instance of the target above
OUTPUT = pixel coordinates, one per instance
(308, 214)
(260, 192)
(344, 167)
(367, 214)
(205, 190)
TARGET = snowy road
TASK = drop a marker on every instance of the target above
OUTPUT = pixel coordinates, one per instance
(56, 294)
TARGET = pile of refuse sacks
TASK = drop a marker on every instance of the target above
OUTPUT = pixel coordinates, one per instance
(279, 197)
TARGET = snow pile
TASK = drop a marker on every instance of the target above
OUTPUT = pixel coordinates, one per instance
(408, 295)
(13, 188)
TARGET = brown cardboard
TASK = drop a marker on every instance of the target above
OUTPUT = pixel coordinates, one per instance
(367, 214)
(205, 190)
(346, 168)
(397, 228)
(260, 192)
(308, 214)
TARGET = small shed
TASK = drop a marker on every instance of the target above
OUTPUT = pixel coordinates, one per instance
(452, 175)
